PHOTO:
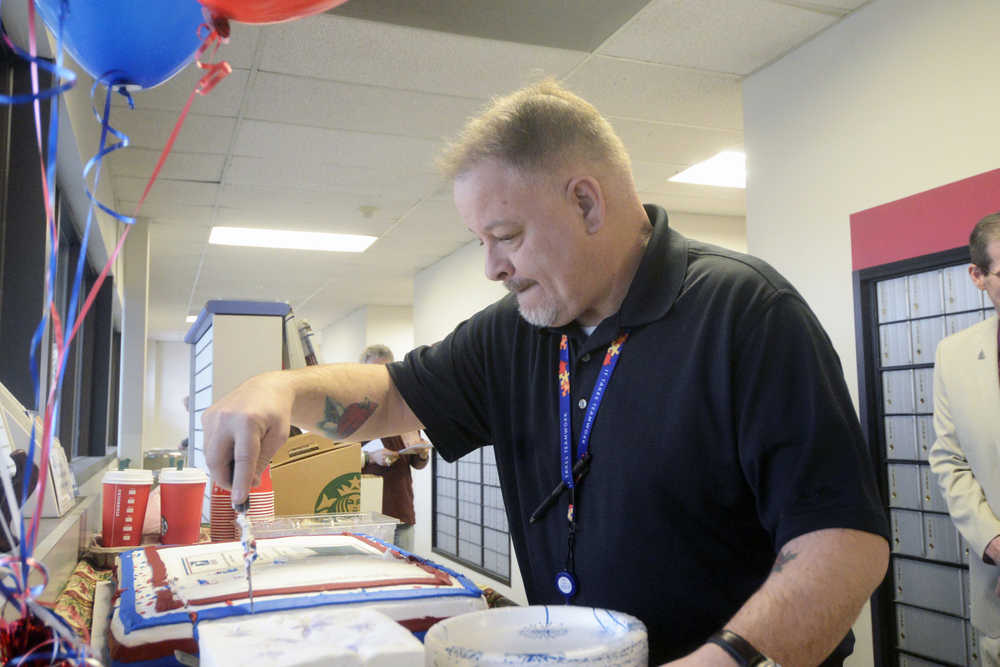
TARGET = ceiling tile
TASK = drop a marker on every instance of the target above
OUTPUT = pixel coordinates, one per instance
(165, 191)
(171, 211)
(671, 144)
(679, 202)
(330, 177)
(406, 58)
(307, 210)
(568, 24)
(140, 162)
(223, 100)
(199, 134)
(736, 36)
(645, 91)
(240, 50)
(650, 176)
(842, 5)
(345, 106)
(432, 222)
(321, 146)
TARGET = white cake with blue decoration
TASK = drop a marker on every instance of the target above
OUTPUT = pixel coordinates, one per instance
(168, 594)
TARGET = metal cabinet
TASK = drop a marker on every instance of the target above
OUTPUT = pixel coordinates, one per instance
(230, 341)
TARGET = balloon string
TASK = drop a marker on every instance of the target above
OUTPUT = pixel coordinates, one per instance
(218, 33)
(215, 72)
(47, 164)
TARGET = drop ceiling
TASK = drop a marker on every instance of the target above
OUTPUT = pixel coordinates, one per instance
(331, 123)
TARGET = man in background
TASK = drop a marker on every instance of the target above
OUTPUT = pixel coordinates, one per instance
(966, 454)
(382, 457)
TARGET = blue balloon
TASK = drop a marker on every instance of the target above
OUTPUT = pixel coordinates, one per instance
(138, 43)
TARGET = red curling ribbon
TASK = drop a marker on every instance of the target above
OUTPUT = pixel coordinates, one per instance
(218, 34)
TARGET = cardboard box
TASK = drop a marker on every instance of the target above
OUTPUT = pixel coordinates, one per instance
(371, 493)
(314, 475)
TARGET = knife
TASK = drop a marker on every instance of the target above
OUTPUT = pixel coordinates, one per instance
(249, 545)
(246, 537)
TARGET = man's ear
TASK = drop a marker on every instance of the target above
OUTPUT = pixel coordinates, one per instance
(977, 276)
(584, 192)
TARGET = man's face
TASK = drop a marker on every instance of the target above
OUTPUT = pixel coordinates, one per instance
(534, 236)
(989, 282)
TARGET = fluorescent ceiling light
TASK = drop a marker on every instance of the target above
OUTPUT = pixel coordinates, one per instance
(190, 318)
(728, 169)
(278, 238)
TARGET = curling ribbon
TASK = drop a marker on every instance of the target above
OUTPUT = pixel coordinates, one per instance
(217, 34)
(22, 591)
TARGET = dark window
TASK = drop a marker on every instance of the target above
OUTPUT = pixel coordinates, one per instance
(88, 418)
(470, 521)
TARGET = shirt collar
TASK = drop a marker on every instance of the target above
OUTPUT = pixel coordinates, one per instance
(655, 286)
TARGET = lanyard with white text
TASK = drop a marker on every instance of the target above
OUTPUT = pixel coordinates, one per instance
(566, 580)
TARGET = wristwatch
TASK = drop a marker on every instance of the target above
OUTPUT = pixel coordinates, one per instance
(740, 650)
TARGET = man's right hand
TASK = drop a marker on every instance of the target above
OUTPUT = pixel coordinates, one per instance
(245, 429)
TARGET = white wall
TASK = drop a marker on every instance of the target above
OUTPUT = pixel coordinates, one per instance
(346, 339)
(165, 421)
(444, 294)
(896, 99)
(728, 231)
(391, 326)
(343, 340)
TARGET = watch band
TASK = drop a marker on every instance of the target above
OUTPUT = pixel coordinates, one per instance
(739, 649)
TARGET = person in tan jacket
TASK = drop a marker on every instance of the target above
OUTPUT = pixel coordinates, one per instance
(966, 454)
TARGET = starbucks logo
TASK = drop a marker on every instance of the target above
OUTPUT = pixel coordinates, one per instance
(341, 494)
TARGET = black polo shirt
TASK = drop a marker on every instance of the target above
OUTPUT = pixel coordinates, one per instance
(726, 431)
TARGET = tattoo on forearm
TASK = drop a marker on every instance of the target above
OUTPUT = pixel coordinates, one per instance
(340, 422)
(783, 558)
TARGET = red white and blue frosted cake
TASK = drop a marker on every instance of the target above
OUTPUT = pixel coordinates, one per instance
(165, 594)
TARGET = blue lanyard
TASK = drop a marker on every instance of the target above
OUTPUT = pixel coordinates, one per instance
(566, 579)
(596, 396)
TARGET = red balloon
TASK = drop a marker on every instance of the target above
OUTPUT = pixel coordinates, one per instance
(267, 11)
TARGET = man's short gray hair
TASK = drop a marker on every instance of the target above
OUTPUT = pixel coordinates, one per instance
(535, 128)
(375, 353)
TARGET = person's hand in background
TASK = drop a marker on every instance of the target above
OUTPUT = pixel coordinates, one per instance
(382, 457)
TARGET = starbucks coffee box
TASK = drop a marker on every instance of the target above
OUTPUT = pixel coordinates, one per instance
(311, 474)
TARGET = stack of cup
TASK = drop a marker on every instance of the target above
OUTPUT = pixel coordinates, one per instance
(181, 494)
(222, 517)
(125, 494)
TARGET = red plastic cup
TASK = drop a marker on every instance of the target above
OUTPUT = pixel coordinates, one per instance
(181, 495)
(223, 518)
(125, 493)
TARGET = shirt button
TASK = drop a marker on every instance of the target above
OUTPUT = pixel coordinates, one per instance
(586, 357)
(582, 403)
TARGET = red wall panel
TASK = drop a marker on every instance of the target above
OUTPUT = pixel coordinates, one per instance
(931, 221)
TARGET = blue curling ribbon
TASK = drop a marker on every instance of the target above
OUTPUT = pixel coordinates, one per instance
(24, 549)
(18, 595)
(123, 141)
(67, 75)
